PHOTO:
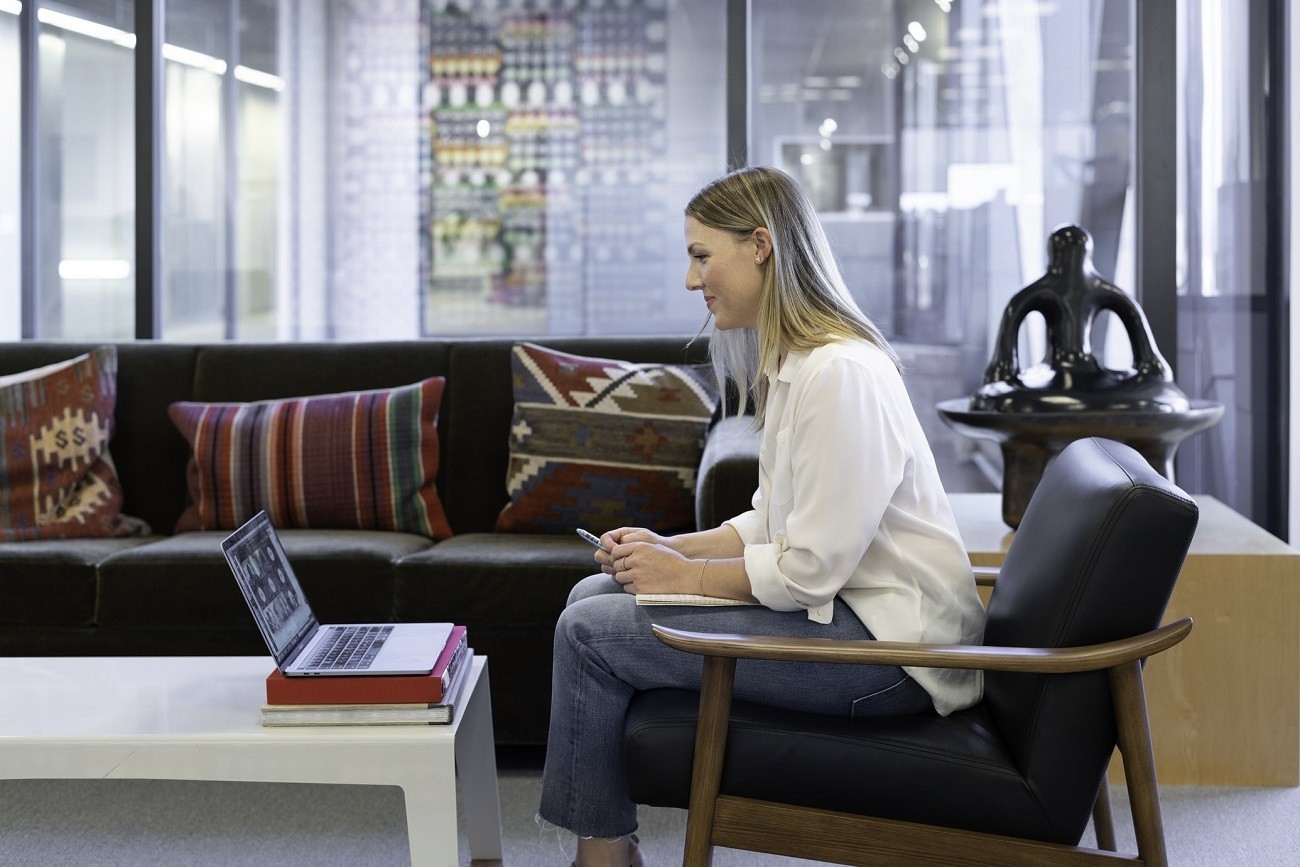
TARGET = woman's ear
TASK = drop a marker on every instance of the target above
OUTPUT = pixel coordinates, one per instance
(762, 239)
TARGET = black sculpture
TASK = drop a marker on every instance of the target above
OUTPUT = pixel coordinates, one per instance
(1033, 413)
(1070, 296)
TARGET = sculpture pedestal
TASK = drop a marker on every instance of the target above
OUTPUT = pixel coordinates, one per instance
(1029, 439)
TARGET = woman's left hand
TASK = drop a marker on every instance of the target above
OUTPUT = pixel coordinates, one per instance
(646, 567)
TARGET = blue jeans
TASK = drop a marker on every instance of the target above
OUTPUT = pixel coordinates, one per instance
(605, 652)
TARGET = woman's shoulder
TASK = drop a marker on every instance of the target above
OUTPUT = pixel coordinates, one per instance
(856, 351)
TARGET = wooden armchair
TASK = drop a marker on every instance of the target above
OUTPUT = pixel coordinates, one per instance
(1012, 780)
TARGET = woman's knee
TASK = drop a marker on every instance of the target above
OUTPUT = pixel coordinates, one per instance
(593, 616)
(593, 585)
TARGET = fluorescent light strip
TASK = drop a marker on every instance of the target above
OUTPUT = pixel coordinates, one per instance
(194, 58)
(86, 28)
(175, 53)
(258, 78)
(94, 269)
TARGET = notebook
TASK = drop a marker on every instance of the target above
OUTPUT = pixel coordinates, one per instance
(297, 640)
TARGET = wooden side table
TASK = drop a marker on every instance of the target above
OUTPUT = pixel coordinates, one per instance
(1225, 703)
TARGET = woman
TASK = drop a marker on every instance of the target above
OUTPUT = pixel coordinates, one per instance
(851, 535)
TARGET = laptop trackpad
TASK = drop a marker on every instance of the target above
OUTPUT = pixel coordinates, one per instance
(411, 648)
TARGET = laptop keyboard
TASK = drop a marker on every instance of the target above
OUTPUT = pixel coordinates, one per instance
(349, 648)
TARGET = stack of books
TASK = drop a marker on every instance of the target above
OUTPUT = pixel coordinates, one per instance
(418, 699)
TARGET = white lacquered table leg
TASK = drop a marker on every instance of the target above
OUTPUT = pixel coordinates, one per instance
(430, 793)
(477, 764)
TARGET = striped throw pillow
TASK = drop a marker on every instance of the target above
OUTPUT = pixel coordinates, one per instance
(600, 443)
(363, 460)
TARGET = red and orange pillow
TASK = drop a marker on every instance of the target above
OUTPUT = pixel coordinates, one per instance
(57, 479)
(360, 460)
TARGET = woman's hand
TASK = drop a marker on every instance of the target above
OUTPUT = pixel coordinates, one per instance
(625, 535)
(644, 566)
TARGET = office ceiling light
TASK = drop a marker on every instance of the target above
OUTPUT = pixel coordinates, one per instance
(73, 24)
(259, 78)
(917, 31)
(194, 58)
(175, 53)
(94, 269)
(912, 45)
(945, 5)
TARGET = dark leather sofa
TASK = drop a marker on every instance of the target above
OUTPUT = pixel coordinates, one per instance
(173, 594)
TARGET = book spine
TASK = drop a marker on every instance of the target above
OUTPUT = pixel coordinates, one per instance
(451, 656)
(458, 656)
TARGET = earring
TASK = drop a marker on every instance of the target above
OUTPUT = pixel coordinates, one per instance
(758, 260)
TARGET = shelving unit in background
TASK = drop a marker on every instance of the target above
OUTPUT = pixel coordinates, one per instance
(545, 162)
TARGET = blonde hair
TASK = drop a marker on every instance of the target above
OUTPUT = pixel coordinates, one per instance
(804, 302)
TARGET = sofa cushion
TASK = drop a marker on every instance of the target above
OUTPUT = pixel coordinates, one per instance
(599, 443)
(57, 479)
(51, 582)
(492, 578)
(184, 581)
(359, 460)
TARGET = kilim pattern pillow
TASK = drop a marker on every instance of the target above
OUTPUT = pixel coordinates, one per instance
(599, 443)
(363, 460)
(57, 479)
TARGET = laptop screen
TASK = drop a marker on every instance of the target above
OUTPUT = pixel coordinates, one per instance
(270, 587)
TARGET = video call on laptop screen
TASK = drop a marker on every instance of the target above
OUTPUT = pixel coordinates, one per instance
(274, 596)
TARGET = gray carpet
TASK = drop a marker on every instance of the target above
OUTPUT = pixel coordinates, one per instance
(146, 823)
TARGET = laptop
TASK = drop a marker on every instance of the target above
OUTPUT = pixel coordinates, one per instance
(300, 644)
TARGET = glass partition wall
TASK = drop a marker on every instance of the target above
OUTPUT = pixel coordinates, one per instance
(86, 230)
(11, 79)
(374, 169)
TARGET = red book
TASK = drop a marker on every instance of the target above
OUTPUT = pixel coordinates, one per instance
(373, 689)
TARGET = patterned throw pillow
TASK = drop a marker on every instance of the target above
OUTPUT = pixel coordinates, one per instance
(57, 479)
(599, 443)
(362, 460)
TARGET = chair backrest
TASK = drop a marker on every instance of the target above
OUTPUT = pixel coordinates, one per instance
(1094, 559)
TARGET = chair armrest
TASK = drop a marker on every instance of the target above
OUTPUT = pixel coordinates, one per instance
(728, 473)
(1051, 660)
(986, 576)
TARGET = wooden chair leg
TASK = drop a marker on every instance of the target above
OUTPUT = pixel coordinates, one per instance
(1102, 823)
(710, 746)
(1139, 763)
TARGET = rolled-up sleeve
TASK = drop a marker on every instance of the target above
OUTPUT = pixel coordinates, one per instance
(837, 462)
(750, 526)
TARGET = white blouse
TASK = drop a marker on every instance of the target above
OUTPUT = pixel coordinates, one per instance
(849, 503)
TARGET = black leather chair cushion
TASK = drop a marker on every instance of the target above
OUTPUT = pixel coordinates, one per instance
(951, 771)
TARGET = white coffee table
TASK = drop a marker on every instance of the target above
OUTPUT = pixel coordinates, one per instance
(197, 718)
